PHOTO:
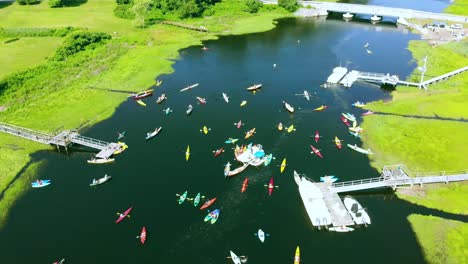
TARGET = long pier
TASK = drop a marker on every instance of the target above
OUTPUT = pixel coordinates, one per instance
(62, 139)
(382, 11)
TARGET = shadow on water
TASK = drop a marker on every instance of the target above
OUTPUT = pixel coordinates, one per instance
(435, 117)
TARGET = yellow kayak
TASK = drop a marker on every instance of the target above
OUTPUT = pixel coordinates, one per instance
(291, 128)
(297, 256)
(140, 102)
(122, 148)
(205, 130)
(283, 165)
(280, 126)
(158, 82)
(187, 153)
(243, 103)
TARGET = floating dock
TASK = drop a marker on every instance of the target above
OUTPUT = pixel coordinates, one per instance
(337, 74)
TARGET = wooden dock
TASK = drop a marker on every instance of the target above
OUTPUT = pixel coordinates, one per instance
(338, 212)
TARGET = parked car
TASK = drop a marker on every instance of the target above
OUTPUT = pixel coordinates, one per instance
(456, 26)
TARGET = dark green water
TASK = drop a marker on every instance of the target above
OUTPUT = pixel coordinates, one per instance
(71, 220)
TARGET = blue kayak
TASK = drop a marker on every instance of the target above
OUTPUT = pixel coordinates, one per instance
(40, 183)
(269, 157)
(212, 216)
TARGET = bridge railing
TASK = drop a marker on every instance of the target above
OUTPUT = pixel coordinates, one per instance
(358, 182)
(402, 167)
(12, 128)
(89, 141)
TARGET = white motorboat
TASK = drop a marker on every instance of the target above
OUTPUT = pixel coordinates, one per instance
(361, 150)
(347, 16)
(100, 161)
(375, 19)
(356, 211)
(101, 180)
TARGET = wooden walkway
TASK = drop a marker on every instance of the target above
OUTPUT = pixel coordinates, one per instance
(398, 176)
(338, 212)
(62, 139)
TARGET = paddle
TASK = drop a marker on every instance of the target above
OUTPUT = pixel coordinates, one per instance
(125, 216)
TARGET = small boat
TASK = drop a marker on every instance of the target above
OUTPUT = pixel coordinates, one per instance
(249, 133)
(187, 153)
(358, 104)
(297, 256)
(197, 199)
(120, 135)
(59, 262)
(261, 235)
(122, 216)
(189, 87)
(349, 116)
(321, 108)
(208, 203)
(189, 110)
(271, 186)
(356, 129)
(337, 142)
(158, 82)
(204, 48)
(243, 103)
(227, 168)
(347, 16)
(369, 112)
(355, 134)
(344, 120)
(231, 141)
(317, 136)
(218, 152)
(268, 159)
(254, 87)
(150, 135)
(226, 98)
(369, 51)
(143, 235)
(101, 180)
(288, 107)
(375, 18)
(238, 124)
(306, 95)
(283, 165)
(212, 216)
(140, 102)
(235, 258)
(142, 94)
(161, 98)
(201, 100)
(40, 183)
(237, 170)
(122, 148)
(361, 150)
(205, 130)
(356, 211)
(182, 197)
(341, 229)
(100, 161)
(291, 129)
(366, 45)
(280, 126)
(244, 185)
(329, 179)
(316, 151)
(167, 110)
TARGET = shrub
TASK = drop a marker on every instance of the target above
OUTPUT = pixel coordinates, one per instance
(253, 5)
(124, 2)
(290, 5)
(124, 11)
(189, 9)
(36, 32)
(28, 2)
(56, 3)
(79, 41)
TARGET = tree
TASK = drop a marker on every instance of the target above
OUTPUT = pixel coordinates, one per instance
(56, 3)
(290, 5)
(28, 2)
(189, 9)
(140, 8)
(253, 5)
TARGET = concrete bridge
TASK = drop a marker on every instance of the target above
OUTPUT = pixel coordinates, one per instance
(378, 11)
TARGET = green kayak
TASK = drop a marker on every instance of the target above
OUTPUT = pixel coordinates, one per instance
(197, 200)
(182, 197)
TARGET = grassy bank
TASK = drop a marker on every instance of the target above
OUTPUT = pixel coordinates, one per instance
(445, 242)
(458, 7)
(131, 61)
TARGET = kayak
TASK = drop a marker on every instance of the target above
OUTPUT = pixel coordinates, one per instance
(329, 179)
(201, 100)
(356, 129)
(297, 256)
(361, 150)
(280, 126)
(121, 135)
(101, 180)
(234, 257)
(226, 98)
(321, 108)
(369, 112)
(317, 136)
(140, 102)
(196, 201)
(231, 141)
(205, 130)
(249, 133)
(40, 183)
(142, 94)
(337, 142)
(349, 116)
(59, 262)
(358, 104)
(243, 103)
(189, 87)
(167, 110)
(254, 87)
(227, 168)
(341, 229)
(122, 148)
(288, 107)
(183, 197)
(244, 185)
(122, 216)
(187, 153)
(161, 98)
(189, 110)
(158, 82)
(261, 235)
(143, 235)
(238, 124)
(355, 134)
(100, 161)
(150, 135)
(291, 129)
(283, 165)
(271, 186)
(218, 152)
(268, 159)
(212, 216)
(208, 203)
(344, 120)
(316, 151)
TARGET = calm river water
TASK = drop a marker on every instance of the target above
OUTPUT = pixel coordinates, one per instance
(71, 220)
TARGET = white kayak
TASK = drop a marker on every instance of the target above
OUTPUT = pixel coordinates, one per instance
(261, 235)
(356, 211)
(361, 150)
(101, 180)
(341, 229)
(235, 258)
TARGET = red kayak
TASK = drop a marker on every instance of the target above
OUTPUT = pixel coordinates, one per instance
(239, 124)
(345, 121)
(317, 136)
(316, 151)
(143, 235)
(218, 152)
(271, 186)
(208, 203)
(244, 185)
(122, 216)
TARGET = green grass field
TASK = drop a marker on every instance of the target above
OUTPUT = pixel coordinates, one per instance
(458, 7)
(25, 53)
